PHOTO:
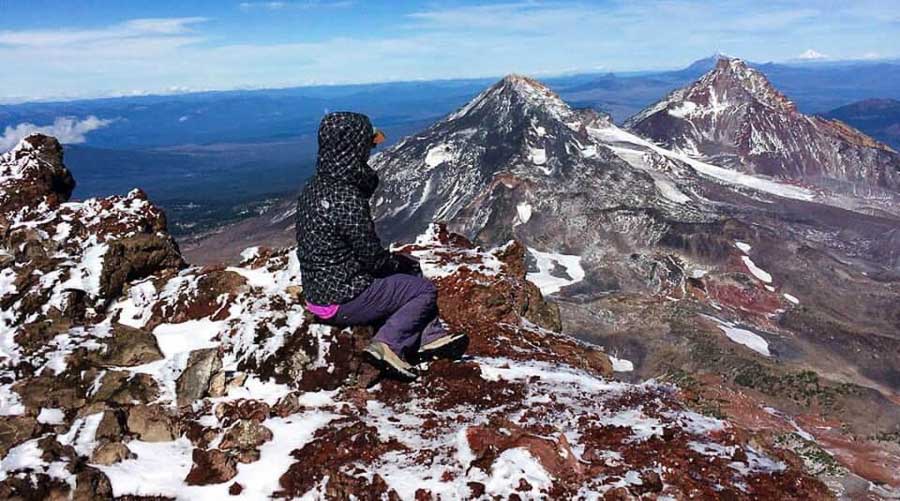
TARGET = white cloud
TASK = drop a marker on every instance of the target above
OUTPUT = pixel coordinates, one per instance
(68, 130)
(261, 5)
(308, 4)
(134, 29)
(811, 54)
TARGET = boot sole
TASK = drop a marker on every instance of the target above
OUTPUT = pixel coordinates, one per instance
(379, 360)
(453, 349)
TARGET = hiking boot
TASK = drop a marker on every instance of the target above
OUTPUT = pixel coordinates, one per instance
(385, 359)
(445, 346)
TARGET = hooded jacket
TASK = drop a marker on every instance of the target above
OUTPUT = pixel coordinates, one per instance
(339, 251)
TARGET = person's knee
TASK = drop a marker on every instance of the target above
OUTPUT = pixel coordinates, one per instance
(427, 289)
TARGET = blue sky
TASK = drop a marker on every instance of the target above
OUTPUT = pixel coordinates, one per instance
(80, 48)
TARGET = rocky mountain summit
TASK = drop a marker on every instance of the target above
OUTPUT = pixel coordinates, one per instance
(125, 372)
(735, 118)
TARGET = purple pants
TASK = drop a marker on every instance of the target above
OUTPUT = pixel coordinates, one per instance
(402, 307)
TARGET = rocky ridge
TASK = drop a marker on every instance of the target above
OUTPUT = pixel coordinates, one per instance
(126, 372)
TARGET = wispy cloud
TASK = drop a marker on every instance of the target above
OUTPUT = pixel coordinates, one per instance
(261, 5)
(135, 29)
(68, 130)
(278, 5)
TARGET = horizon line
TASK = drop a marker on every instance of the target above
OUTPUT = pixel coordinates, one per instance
(176, 90)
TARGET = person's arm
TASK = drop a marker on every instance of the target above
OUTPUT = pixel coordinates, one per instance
(358, 229)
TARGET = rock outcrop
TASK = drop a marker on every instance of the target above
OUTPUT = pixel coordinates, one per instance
(241, 392)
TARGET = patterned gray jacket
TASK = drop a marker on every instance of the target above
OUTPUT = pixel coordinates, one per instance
(340, 254)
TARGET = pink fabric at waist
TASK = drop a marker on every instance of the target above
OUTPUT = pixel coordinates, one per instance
(323, 312)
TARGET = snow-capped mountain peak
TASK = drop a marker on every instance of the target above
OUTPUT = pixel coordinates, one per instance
(734, 117)
(517, 133)
(730, 85)
(733, 72)
(513, 93)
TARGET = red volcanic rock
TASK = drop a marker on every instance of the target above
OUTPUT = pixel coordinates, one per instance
(211, 467)
(555, 455)
(488, 296)
(327, 455)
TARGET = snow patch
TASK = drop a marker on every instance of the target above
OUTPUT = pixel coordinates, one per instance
(524, 211)
(186, 336)
(538, 156)
(51, 416)
(620, 364)
(438, 155)
(685, 109)
(757, 272)
(511, 466)
(613, 134)
(743, 337)
(547, 262)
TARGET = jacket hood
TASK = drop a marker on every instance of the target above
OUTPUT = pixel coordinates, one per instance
(345, 142)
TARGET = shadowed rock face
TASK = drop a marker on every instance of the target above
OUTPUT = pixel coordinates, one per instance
(736, 118)
(239, 376)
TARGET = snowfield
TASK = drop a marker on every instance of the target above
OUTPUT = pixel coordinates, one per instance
(546, 263)
(625, 140)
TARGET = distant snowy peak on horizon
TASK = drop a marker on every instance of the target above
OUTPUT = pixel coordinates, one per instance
(734, 117)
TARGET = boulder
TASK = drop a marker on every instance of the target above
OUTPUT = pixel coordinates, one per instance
(57, 392)
(38, 173)
(244, 435)
(203, 371)
(124, 388)
(211, 467)
(110, 453)
(92, 484)
(136, 257)
(14, 430)
(215, 289)
(151, 423)
(111, 427)
(129, 347)
(238, 410)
